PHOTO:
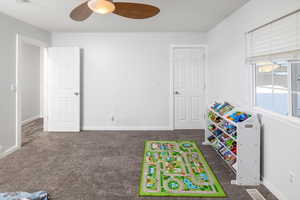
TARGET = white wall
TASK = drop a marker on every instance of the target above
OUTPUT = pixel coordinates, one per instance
(10, 27)
(229, 79)
(30, 81)
(126, 76)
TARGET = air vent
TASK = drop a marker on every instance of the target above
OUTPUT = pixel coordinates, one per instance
(255, 194)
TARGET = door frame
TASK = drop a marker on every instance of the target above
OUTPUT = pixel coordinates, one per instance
(204, 70)
(43, 58)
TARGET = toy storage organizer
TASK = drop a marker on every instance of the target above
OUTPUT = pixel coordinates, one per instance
(235, 135)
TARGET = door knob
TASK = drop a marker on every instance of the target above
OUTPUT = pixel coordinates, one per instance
(76, 93)
(176, 92)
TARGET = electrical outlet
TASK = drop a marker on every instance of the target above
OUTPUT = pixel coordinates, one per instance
(292, 177)
(113, 119)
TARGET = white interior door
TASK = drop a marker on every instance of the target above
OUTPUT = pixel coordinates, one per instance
(63, 89)
(188, 79)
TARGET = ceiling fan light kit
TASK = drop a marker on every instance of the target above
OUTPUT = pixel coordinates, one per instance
(101, 6)
(124, 9)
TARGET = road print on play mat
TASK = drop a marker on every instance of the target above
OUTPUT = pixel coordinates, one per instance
(177, 168)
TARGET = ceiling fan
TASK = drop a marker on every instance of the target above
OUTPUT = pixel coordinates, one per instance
(125, 9)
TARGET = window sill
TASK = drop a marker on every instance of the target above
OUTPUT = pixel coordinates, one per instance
(289, 120)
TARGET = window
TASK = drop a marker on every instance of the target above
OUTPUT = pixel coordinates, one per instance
(295, 72)
(277, 83)
(277, 87)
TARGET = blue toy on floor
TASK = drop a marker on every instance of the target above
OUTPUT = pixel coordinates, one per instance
(24, 196)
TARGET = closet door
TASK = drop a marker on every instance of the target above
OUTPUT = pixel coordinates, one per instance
(188, 78)
(63, 79)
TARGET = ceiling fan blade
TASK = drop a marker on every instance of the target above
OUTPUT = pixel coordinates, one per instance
(135, 10)
(81, 12)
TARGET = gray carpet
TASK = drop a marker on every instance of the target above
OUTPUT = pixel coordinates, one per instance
(31, 130)
(98, 166)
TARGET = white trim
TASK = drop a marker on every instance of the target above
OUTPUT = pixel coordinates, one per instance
(205, 92)
(171, 99)
(45, 90)
(289, 120)
(42, 54)
(18, 94)
(26, 121)
(289, 79)
(9, 151)
(126, 128)
(32, 41)
(19, 39)
(273, 189)
(252, 79)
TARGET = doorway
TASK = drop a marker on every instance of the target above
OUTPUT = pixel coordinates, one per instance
(30, 63)
(63, 74)
(188, 81)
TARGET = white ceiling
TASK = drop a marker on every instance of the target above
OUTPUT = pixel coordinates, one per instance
(175, 15)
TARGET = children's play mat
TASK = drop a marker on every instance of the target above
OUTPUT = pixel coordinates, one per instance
(177, 168)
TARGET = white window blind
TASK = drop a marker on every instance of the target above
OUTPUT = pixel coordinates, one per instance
(277, 40)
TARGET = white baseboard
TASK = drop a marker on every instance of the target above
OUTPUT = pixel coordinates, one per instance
(273, 189)
(125, 128)
(30, 119)
(9, 151)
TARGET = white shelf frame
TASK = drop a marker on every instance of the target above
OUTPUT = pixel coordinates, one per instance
(248, 146)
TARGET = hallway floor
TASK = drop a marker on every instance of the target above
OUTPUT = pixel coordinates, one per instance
(31, 130)
(99, 166)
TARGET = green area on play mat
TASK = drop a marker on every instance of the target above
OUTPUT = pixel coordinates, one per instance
(177, 168)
